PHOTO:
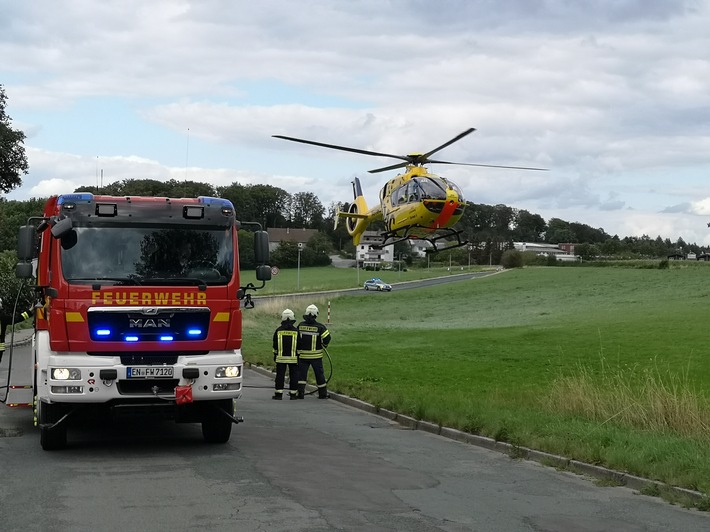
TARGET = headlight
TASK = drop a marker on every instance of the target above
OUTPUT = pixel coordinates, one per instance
(228, 372)
(66, 374)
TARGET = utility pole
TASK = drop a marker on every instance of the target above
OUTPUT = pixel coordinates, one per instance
(298, 271)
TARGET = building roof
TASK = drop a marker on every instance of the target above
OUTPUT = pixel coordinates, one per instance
(289, 234)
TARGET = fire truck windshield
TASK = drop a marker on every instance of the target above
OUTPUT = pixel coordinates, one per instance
(149, 255)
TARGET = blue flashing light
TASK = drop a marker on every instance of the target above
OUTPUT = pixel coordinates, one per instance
(131, 338)
(166, 338)
(207, 200)
(194, 332)
(103, 332)
(84, 196)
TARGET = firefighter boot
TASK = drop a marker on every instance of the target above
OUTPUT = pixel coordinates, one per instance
(278, 396)
(301, 393)
(323, 393)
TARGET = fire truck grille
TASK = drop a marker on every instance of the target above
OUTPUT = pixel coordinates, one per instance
(148, 359)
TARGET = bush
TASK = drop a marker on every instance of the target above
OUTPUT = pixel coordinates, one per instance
(511, 259)
(10, 285)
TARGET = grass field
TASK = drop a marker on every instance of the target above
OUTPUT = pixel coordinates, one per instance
(605, 365)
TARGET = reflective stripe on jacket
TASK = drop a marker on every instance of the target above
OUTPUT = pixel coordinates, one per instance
(285, 341)
(312, 338)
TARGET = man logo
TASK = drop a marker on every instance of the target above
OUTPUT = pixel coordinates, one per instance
(148, 323)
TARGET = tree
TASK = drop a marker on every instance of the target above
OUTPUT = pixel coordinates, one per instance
(286, 255)
(152, 187)
(14, 214)
(321, 245)
(612, 247)
(528, 227)
(246, 250)
(588, 234)
(240, 196)
(489, 228)
(264, 204)
(306, 210)
(13, 160)
(559, 231)
(587, 252)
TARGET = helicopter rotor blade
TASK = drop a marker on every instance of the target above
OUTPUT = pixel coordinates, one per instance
(393, 167)
(425, 157)
(490, 165)
(416, 159)
(343, 148)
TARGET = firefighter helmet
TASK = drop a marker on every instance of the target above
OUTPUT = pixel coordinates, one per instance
(312, 310)
(288, 315)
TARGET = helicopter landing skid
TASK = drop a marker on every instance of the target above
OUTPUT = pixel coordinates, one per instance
(449, 234)
(393, 238)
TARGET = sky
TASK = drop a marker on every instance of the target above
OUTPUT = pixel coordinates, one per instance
(612, 97)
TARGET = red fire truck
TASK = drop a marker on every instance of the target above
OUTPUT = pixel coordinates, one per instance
(139, 311)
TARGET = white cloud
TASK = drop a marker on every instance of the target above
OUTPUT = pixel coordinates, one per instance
(701, 207)
(612, 97)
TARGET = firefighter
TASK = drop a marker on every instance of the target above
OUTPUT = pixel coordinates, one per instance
(285, 340)
(7, 320)
(313, 337)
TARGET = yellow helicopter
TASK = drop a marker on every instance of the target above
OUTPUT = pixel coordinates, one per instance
(415, 204)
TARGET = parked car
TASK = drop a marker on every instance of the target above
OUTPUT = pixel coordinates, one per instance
(377, 284)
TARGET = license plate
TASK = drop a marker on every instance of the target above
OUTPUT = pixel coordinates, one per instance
(149, 372)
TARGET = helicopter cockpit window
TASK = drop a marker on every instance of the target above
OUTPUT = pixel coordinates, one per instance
(431, 189)
(457, 189)
(399, 196)
(413, 192)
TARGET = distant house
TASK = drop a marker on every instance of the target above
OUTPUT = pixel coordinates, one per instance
(704, 257)
(563, 252)
(541, 248)
(676, 256)
(288, 234)
(370, 253)
(419, 247)
(567, 247)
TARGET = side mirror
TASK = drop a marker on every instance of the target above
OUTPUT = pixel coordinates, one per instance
(24, 270)
(26, 239)
(261, 247)
(61, 227)
(263, 273)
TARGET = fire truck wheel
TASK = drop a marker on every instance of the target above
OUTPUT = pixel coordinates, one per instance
(216, 427)
(55, 438)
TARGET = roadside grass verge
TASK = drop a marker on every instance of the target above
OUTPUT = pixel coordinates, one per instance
(604, 365)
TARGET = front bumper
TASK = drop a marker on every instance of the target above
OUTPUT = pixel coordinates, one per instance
(82, 378)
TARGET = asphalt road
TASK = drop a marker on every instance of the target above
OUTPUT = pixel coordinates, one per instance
(391, 279)
(295, 466)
